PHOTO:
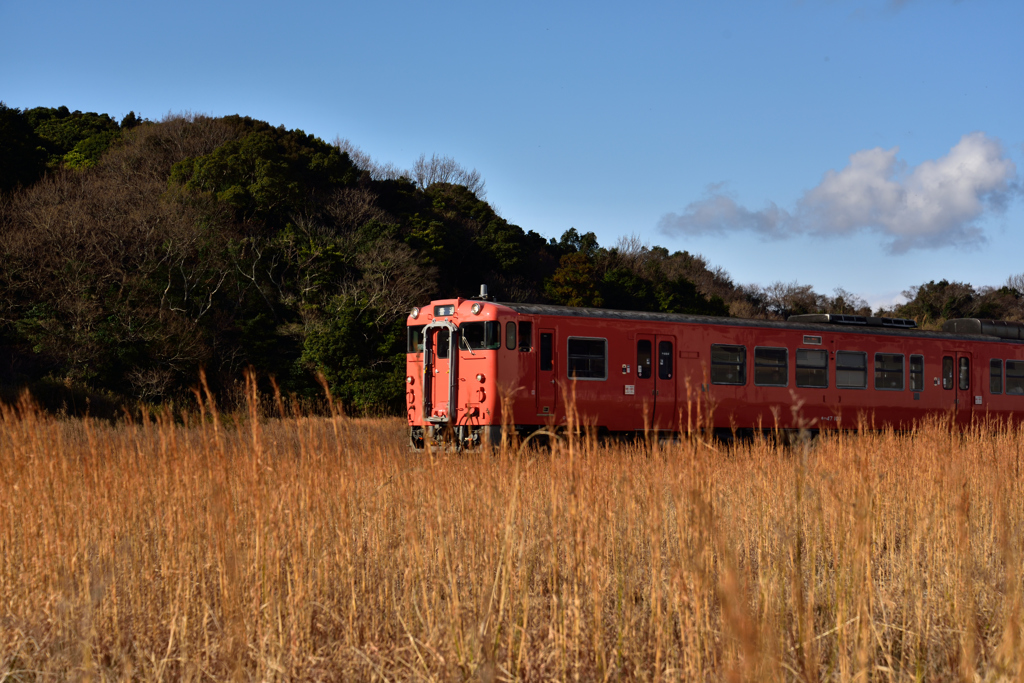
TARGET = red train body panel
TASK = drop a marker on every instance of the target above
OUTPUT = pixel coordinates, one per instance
(470, 360)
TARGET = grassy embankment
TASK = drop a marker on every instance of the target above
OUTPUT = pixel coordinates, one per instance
(323, 549)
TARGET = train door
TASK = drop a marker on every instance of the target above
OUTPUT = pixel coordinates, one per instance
(546, 363)
(958, 383)
(665, 405)
(437, 366)
(655, 380)
(645, 391)
(965, 388)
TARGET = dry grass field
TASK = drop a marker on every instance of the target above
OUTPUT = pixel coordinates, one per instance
(318, 548)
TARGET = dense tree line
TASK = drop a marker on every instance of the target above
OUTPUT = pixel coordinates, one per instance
(930, 304)
(134, 253)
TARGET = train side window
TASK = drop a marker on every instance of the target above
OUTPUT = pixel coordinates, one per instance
(728, 364)
(851, 370)
(510, 336)
(995, 376)
(546, 352)
(889, 371)
(414, 339)
(771, 367)
(1015, 377)
(525, 336)
(643, 358)
(965, 374)
(917, 373)
(947, 372)
(812, 368)
(587, 358)
(665, 360)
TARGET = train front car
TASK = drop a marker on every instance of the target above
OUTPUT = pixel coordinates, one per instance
(452, 373)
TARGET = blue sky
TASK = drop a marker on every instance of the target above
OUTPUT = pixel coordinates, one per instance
(865, 144)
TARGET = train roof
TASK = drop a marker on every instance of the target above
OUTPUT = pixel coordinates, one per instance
(970, 329)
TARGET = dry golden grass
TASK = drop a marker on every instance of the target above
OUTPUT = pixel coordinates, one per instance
(323, 549)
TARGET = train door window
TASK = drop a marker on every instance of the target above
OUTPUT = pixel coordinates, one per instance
(917, 373)
(526, 336)
(664, 360)
(643, 358)
(995, 376)
(851, 370)
(587, 358)
(965, 374)
(947, 372)
(414, 339)
(546, 352)
(441, 342)
(510, 336)
(771, 367)
(728, 364)
(889, 371)
(1015, 377)
(812, 368)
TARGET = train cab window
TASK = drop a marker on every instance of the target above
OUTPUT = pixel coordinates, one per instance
(510, 336)
(664, 360)
(482, 336)
(1015, 377)
(995, 376)
(587, 358)
(728, 364)
(414, 339)
(643, 358)
(889, 371)
(965, 374)
(851, 370)
(917, 373)
(547, 356)
(812, 368)
(947, 372)
(525, 336)
(771, 367)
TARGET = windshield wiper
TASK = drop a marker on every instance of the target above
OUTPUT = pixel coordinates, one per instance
(469, 347)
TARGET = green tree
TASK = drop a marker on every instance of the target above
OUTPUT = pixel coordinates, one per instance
(363, 361)
(61, 131)
(267, 174)
(575, 282)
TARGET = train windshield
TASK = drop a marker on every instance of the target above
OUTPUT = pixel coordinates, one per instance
(482, 336)
(414, 339)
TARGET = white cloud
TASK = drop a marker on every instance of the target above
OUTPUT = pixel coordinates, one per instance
(934, 205)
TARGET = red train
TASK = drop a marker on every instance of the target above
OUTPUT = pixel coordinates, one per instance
(627, 371)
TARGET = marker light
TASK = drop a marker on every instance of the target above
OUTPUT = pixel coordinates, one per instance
(409, 380)
(475, 308)
(480, 378)
(415, 313)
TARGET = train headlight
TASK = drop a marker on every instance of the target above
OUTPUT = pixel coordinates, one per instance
(409, 380)
(475, 309)
(480, 378)
(415, 313)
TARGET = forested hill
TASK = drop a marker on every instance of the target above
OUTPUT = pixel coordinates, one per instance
(135, 253)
